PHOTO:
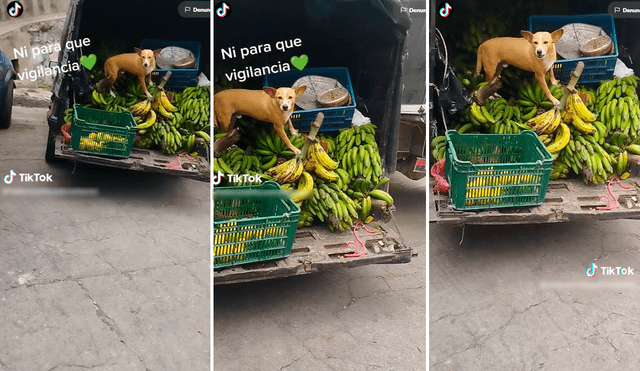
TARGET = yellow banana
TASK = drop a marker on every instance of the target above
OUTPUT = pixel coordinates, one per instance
(584, 127)
(164, 112)
(280, 168)
(150, 121)
(137, 108)
(164, 101)
(581, 109)
(323, 158)
(306, 182)
(326, 174)
(562, 139)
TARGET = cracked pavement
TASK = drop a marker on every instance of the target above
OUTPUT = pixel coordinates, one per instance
(369, 318)
(116, 282)
(518, 298)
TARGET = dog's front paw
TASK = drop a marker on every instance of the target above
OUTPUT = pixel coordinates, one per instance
(294, 132)
(555, 83)
(555, 102)
(297, 151)
(149, 95)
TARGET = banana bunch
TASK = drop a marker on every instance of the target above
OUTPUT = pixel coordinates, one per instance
(559, 170)
(358, 152)
(68, 115)
(547, 122)
(107, 137)
(90, 145)
(235, 160)
(270, 148)
(321, 163)
(287, 172)
(328, 200)
(563, 136)
(622, 114)
(134, 94)
(305, 219)
(330, 142)
(107, 102)
(614, 89)
(496, 116)
(533, 98)
(354, 136)
(439, 147)
(590, 98)
(141, 108)
(579, 114)
(171, 137)
(193, 103)
(587, 157)
(491, 26)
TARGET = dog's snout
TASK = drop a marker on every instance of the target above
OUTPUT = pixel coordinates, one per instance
(539, 53)
(285, 107)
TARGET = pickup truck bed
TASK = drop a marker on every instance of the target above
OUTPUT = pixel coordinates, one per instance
(140, 160)
(566, 200)
(316, 249)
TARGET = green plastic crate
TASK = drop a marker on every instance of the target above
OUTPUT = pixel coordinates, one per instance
(252, 224)
(102, 132)
(496, 170)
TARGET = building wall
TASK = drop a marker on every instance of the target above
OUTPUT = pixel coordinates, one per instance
(34, 9)
(39, 25)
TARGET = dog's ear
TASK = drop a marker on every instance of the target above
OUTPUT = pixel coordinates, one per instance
(138, 51)
(270, 91)
(299, 90)
(527, 35)
(556, 35)
(156, 52)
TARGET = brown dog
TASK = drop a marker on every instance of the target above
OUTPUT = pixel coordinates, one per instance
(269, 105)
(141, 63)
(533, 52)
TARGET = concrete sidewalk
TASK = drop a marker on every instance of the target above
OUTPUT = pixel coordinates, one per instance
(32, 97)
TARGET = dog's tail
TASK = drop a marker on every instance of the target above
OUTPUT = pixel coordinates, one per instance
(479, 61)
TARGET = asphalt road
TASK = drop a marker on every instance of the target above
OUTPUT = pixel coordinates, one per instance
(369, 318)
(115, 279)
(519, 298)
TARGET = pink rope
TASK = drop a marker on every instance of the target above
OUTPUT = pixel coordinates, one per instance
(357, 254)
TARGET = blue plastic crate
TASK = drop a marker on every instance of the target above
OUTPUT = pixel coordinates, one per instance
(335, 118)
(596, 69)
(180, 78)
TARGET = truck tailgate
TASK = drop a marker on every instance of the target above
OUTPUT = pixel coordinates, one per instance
(566, 200)
(141, 160)
(318, 249)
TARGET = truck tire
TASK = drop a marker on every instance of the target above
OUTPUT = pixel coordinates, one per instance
(6, 107)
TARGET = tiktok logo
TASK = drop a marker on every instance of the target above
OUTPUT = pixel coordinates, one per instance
(14, 9)
(591, 271)
(9, 178)
(445, 10)
(223, 10)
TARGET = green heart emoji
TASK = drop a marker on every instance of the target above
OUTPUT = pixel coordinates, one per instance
(300, 62)
(88, 62)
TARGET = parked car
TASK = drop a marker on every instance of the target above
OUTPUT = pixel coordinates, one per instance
(7, 75)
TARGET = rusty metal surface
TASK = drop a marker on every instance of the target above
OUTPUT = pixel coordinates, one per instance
(566, 200)
(140, 160)
(317, 249)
